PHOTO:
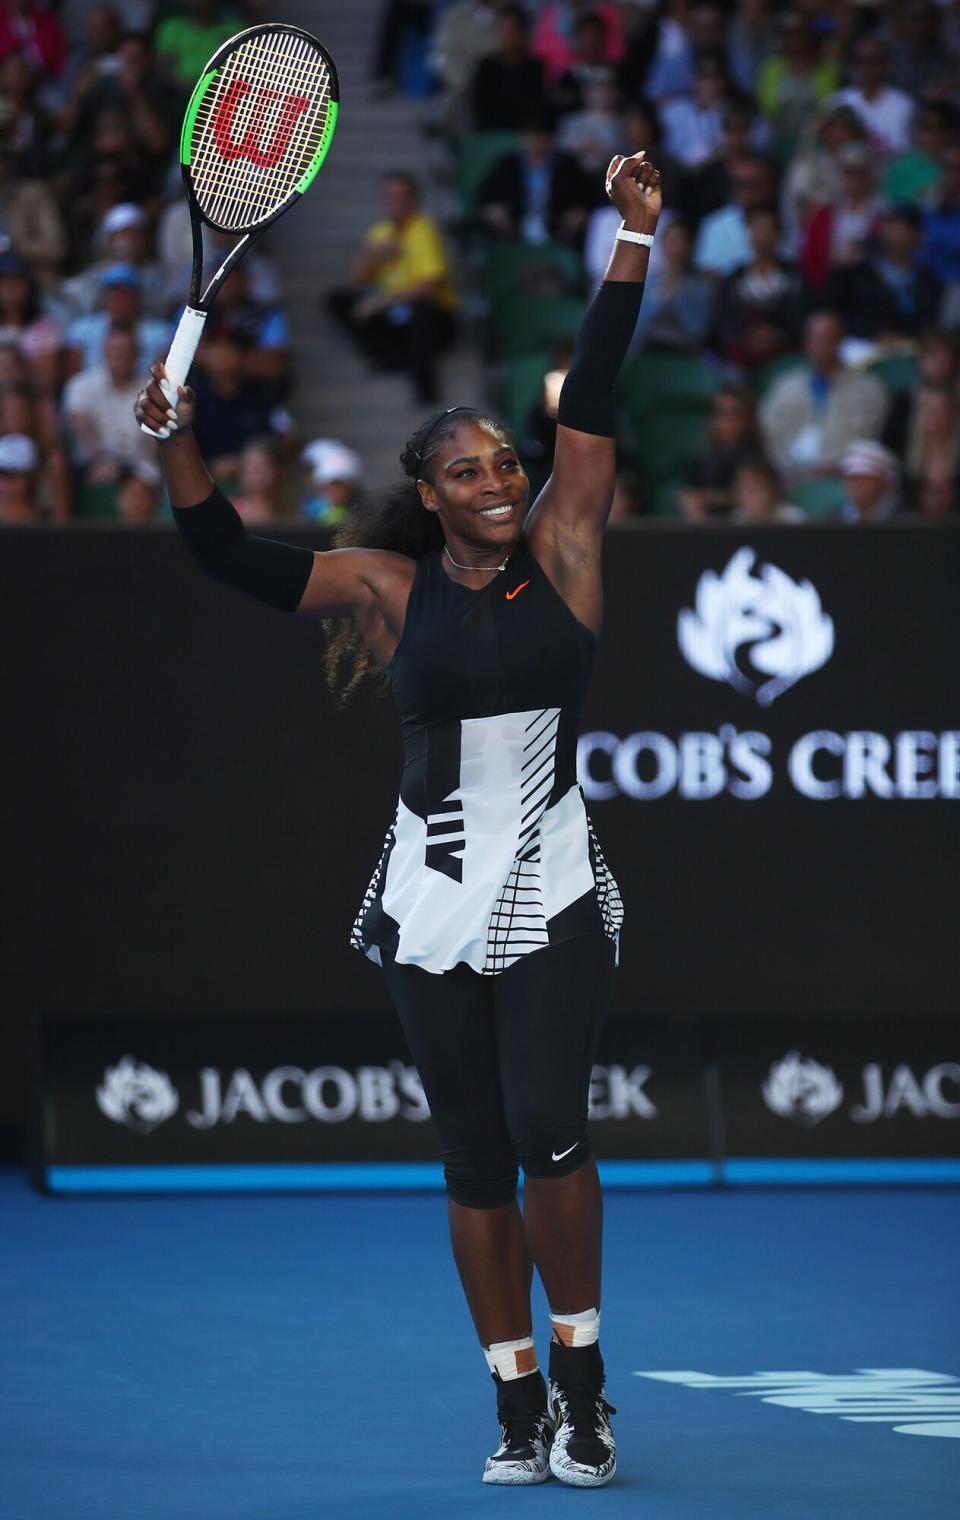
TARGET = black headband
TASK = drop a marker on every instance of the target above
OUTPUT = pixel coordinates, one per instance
(435, 424)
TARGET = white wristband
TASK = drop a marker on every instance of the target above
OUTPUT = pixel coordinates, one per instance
(624, 235)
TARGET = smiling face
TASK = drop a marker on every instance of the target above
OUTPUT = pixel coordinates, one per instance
(478, 488)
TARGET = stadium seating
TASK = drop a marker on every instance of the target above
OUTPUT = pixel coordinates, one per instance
(524, 324)
(522, 387)
(478, 152)
(510, 269)
(898, 371)
(657, 379)
(761, 378)
(668, 438)
(821, 497)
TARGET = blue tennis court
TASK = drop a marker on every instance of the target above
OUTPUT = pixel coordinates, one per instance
(284, 1358)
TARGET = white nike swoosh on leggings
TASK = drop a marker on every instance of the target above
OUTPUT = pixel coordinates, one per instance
(556, 1157)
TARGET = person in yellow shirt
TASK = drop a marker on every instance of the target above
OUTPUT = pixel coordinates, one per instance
(400, 303)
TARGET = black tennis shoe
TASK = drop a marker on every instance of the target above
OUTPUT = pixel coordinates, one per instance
(583, 1451)
(526, 1432)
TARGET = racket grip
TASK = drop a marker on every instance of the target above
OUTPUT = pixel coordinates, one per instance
(182, 349)
(178, 361)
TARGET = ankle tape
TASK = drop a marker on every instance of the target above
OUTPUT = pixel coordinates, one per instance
(581, 1329)
(512, 1359)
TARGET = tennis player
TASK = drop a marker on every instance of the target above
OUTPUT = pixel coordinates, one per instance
(491, 910)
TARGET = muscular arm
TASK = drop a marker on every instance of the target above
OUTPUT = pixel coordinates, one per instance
(576, 499)
(367, 584)
(213, 531)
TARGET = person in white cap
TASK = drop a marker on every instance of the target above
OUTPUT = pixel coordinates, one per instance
(123, 237)
(333, 479)
(18, 478)
(871, 477)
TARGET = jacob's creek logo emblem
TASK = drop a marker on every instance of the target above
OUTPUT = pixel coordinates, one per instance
(759, 631)
(134, 1094)
(755, 629)
(801, 1089)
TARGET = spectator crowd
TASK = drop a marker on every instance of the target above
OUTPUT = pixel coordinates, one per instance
(95, 254)
(798, 350)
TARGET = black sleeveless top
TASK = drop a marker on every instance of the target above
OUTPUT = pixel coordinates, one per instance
(491, 854)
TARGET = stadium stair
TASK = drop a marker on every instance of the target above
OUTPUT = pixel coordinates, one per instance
(335, 394)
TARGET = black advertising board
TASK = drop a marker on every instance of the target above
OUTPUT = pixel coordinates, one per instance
(770, 753)
(199, 1093)
(830, 1087)
(246, 1100)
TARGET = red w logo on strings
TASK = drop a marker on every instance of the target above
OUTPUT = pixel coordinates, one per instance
(264, 157)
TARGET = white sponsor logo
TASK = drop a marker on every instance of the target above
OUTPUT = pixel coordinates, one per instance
(914, 1402)
(329, 1094)
(617, 1093)
(781, 620)
(801, 1089)
(134, 1094)
(558, 1156)
(913, 765)
(925, 1097)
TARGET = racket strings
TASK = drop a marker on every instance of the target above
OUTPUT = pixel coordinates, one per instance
(237, 192)
(258, 66)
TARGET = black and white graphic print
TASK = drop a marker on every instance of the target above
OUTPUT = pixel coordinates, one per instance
(478, 867)
(443, 807)
(518, 922)
(365, 932)
(608, 893)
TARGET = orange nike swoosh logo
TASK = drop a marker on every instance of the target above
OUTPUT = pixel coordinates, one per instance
(511, 594)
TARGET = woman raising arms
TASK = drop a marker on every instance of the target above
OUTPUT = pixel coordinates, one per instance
(491, 911)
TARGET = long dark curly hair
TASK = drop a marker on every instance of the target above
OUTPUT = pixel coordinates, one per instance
(394, 519)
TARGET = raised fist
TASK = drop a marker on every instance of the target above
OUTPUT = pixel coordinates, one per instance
(634, 187)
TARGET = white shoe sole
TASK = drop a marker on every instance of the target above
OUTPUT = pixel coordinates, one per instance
(582, 1477)
(503, 1473)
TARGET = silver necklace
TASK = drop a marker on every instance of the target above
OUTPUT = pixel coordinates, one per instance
(486, 568)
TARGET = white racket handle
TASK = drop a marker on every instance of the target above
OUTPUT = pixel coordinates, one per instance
(179, 359)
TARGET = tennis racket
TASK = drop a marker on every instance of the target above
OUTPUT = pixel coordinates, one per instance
(258, 127)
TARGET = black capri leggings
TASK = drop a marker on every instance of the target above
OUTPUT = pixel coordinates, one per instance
(505, 1062)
